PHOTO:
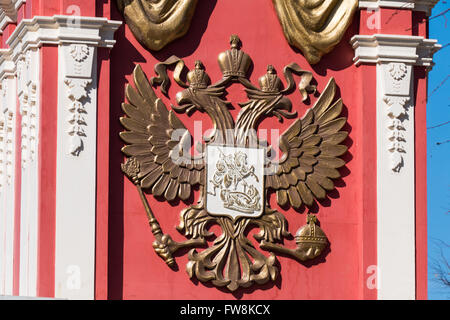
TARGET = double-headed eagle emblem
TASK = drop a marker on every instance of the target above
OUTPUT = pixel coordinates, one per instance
(234, 170)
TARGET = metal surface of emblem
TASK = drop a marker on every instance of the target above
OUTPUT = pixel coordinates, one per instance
(235, 175)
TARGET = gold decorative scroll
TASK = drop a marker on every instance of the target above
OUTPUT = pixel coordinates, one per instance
(315, 26)
(155, 23)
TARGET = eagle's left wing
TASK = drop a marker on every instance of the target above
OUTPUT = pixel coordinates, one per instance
(311, 150)
(164, 169)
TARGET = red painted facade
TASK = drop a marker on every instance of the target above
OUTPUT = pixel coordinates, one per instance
(126, 266)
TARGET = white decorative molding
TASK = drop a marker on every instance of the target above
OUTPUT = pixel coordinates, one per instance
(28, 87)
(59, 30)
(78, 78)
(10, 7)
(2, 149)
(416, 5)
(396, 95)
(78, 40)
(8, 99)
(395, 57)
(379, 48)
(76, 149)
(8, 12)
(27, 81)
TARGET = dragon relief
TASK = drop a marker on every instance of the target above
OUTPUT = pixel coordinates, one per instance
(233, 171)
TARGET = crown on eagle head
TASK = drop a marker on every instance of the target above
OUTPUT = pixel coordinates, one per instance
(234, 62)
(197, 77)
(270, 82)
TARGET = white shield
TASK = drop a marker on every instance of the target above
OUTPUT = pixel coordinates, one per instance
(235, 181)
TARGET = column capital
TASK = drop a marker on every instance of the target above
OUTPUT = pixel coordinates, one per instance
(60, 29)
(386, 48)
(8, 12)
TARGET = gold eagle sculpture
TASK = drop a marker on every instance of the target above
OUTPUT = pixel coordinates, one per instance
(159, 162)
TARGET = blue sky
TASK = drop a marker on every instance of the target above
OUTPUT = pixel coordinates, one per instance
(438, 141)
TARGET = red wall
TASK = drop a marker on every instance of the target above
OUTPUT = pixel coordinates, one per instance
(136, 272)
(126, 265)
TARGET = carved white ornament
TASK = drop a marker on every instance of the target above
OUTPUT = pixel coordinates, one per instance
(2, 149)
(77, 93)
(9, 147)
(395, 57)
(27, 80)
(77, 80)
(397, 95)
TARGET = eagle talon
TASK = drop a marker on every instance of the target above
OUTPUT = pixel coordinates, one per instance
(165, 247)
(162, 248)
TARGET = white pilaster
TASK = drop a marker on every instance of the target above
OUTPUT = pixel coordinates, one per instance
(395, 58)
(76, 172)
(28, 66)
(7, 190)
(78, 39)
(77, 159)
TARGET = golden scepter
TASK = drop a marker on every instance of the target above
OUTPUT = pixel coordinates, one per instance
(163, 244)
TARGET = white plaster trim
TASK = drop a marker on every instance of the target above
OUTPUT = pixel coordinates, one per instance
(395, 57)
(395, 184)
(76, 174)
(59, 29)
(28, 68)
(8, 12)
(7, 191)
(76, 148)
(7, 184)
(416, 5)
(379, 48)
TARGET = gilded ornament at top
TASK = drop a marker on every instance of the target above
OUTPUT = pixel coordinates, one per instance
(234, 62)
(315, 26)
(156, 23)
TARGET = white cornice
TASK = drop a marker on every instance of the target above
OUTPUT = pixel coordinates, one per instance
(8, 12)
(60, 29)
(7, 65)
(379, 48)
(416, 5)
(10, 7)
(33, 33)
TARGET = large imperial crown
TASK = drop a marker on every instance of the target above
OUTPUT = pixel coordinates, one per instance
(234, 62)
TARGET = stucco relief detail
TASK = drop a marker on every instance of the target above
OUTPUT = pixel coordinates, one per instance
(27, 91)
(9, 134)
(78, 80)
(2, 150)
(397, 98)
